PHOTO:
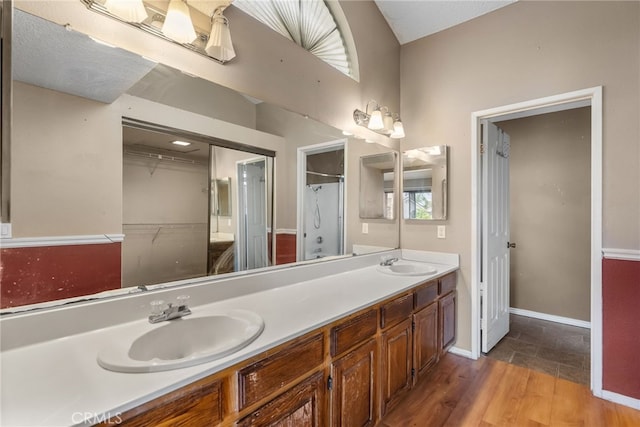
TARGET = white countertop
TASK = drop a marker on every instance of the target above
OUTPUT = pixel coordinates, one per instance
(58, 382)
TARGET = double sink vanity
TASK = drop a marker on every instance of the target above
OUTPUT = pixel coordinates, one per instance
(295, 345)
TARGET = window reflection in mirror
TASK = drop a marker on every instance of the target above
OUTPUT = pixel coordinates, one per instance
(424, 183)
(377, 186)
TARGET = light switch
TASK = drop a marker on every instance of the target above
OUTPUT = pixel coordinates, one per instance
(442, 232)
(5, 231)
(365, 228)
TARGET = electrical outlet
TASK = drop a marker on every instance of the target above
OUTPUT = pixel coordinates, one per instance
(365, 228)
(442, 232)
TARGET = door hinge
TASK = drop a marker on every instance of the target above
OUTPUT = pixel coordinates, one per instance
(413, 372)
(481, 148)
(330, 383)
(413, 326)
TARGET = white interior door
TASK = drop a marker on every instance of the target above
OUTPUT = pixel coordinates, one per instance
(495, 235)
(252, 251)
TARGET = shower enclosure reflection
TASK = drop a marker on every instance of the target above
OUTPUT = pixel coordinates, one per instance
(323, 201)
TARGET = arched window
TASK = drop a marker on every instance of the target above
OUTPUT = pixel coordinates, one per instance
(318, 26)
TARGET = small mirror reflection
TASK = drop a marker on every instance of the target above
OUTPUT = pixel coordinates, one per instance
(424, 183)
(377, 186)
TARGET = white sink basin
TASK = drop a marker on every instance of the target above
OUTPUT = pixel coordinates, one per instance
(183, 342)
(408, 268)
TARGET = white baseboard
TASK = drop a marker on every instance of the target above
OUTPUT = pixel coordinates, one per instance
(621, 399)
(550, 317)
(461, 352)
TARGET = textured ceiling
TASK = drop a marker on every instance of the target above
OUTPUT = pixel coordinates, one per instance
(414, 19)
(50, 56)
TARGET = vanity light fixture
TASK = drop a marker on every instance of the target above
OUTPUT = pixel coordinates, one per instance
(219, 45)
(379, 122)
(127, 10)
(173, 24)
(177, 24)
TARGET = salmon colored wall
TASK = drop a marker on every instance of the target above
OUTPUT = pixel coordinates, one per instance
(36, 274)
(621, 319)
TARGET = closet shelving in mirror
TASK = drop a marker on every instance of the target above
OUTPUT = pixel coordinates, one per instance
(155, 19)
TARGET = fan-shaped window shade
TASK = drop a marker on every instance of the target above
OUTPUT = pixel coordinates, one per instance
(309, 23)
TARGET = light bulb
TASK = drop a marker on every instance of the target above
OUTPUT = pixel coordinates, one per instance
(177, 24)
(398, 130)
(375, 121)
(219, 45)
(127, 10)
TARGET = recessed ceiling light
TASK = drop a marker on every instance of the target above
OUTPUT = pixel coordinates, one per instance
(182, 143)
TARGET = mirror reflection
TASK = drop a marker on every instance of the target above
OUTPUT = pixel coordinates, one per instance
(424, 183)
(76, 171)
(378, 186)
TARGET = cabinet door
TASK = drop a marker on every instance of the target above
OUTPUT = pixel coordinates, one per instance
(425, 339)
(354, 393)
(302, 406)
(447, 328)
(396, 363)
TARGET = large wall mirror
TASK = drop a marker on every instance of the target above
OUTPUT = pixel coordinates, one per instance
(424, 183)
(80, 166)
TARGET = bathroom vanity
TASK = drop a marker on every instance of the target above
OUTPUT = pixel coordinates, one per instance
(338, 349)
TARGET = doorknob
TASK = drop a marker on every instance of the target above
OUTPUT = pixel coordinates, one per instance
(511, 245)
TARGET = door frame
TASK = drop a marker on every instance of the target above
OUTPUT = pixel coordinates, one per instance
(565, 101)
(301, 172)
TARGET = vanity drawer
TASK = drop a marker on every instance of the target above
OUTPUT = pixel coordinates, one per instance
(396, 311)
(198, 404)
(354, 331)
(274, 372)
(448, 283)
(425, 294)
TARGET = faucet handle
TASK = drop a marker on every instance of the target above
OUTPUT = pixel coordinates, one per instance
(182, 300)
(157, 306)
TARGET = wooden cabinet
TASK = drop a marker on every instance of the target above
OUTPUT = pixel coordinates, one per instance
(447, 321)
(270, 374)
(198, 404)
(425, 339)
(301, 406)
(353, 394)
(396, 345)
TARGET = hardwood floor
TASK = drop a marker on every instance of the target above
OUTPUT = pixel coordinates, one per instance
(488, 392)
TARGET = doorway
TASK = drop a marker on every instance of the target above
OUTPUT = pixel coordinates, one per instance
(321, 196)
(588, 97)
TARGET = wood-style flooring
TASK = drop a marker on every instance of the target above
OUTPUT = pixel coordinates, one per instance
(488, 392)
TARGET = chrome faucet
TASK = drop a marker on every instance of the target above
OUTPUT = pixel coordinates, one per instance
(387, 262)
(171, 311)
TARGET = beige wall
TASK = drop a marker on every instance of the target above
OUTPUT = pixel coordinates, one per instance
(524, 51)
(550, 196)
(66, 164)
